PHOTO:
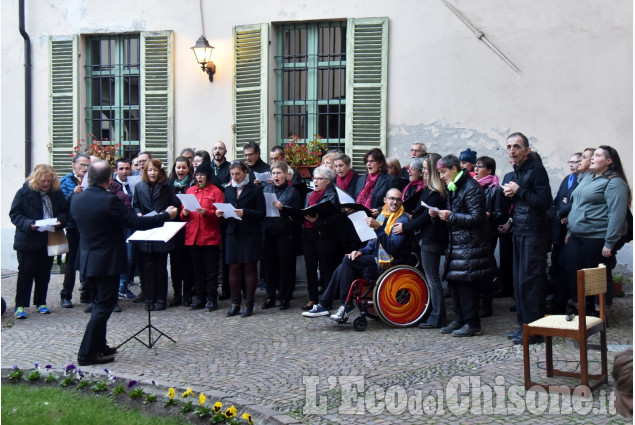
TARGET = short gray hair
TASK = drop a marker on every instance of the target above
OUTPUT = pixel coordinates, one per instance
(325, 172)
(416, 164)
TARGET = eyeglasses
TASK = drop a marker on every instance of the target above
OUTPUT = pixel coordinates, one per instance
(370, 161)
(319, 179)
(82, 165)
(249, 155)
(391, 199)
(479, 166)
(573, 162)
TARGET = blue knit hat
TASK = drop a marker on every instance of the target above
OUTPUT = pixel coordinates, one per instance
(468, 156)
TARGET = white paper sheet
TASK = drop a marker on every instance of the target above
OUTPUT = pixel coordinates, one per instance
(160, 234)
(364, 231)
(263, 177)
(84, 184)
(46, 224)
(189, 201)
(344, 197)
(151, 214)
(228, 209)
(272, 211)
(429, 207)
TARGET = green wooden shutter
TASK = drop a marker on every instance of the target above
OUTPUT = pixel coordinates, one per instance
(63, 104)
(251, 72)
(366, 70)
(157, 95)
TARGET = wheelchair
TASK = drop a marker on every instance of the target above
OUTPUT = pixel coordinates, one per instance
(399, 297)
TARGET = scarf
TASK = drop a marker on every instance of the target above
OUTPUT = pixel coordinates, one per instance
(490, 180)
(47, 207)
(452, 185)
(201, 187)
(314, 197)
(178, 185)
(418, 185)
(241, 184)
(365, 195)
(344, 182)
(389, 219)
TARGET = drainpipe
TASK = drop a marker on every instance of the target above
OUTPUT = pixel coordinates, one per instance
(28, 145)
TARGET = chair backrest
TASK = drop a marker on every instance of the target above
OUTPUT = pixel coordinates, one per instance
(595, 280)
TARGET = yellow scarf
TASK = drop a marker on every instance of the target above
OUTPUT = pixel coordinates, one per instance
(391, 218)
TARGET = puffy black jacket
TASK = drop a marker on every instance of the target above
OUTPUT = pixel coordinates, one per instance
(26, 208)
(469, 257)
(532, 200)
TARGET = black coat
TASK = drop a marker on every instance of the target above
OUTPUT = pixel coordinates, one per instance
(352, 187)
(100, 218)
(532, 200)
(384, 183)
(469, 257)
(497, 205)
(559, 230)
(148, 199)
(433, 232)
(222, 172)
(26, 208)
(288, 197)
(252, 202)
(329, 224)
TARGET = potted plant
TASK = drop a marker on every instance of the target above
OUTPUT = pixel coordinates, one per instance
(306, 155)
(102, 149)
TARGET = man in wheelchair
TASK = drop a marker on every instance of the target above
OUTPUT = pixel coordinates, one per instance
(386, 250)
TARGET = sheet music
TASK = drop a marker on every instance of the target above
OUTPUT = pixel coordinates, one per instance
(151, 214)
(189, 201)
(229, 211)
(429, 207)
(364, 231)
(272, 211)
(263, 177)
(159, 234)
(344, 197)
(46, 224)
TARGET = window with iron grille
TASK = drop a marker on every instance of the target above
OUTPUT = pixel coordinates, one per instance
(112, 87)
(311, 82)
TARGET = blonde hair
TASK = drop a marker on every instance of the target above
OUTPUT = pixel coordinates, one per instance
(330, 156)
(393, 162)
(40, 171)
(434, 178)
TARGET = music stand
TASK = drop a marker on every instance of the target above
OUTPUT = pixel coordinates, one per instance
(149, 327)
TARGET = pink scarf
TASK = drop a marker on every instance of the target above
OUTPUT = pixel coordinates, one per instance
(314, 197)
(365, 195)
(490, 180)
(418, 185)
(343, 183)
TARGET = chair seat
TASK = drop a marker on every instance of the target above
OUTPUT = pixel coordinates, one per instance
(558, 321)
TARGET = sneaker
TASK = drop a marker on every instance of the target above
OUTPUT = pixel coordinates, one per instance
(19, 313)
(454, 325)
(66, 303)
(43, 309)
(316, 311)
(343, 312)
(127, 293)
(465, 330)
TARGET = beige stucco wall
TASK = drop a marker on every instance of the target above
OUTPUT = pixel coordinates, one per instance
(445, 86)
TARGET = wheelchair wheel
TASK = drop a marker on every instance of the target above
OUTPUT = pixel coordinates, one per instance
(401, 296)
(360, 323)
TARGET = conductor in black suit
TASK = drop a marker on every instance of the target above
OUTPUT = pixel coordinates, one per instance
(101, 218)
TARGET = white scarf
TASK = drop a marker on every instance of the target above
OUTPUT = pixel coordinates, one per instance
(241, 184)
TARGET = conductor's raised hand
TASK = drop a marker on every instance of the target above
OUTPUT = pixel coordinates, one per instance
(173, 211)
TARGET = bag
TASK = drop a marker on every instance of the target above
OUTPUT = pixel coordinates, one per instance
(628, 236)
(57, 243)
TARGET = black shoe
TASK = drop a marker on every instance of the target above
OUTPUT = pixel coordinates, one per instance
(517, 332)
(116, 308)
(109, 351)
(248, 310)
(88, 308)
(85, 299)
(159, 306)
(451, 327)
(187, 302)
(94, 359)
(233, 310)
(466, 331)
(139, 298)
(224, 296)
(534, 339)
(308, 306)
(66, 303)
(212, 305)
(426, 325)
(268, 304)
(284, 304)
(176, 301)
(197, 304)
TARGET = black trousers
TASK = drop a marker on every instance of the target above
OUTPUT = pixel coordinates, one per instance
(319, 251)
(506, 265)
(33, 267)
(71, 267)
(530, 276)
(465, 298)
(95, 335)
(584, 253)
(205, 266)
(279, 263)
(182, 273)
(155, 276)
(343, 277)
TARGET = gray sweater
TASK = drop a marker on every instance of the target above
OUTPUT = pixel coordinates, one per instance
(599, 209)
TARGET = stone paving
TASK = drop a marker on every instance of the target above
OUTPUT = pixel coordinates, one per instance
(292, 369)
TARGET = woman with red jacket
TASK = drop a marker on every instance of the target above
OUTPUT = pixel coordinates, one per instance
(202, 236)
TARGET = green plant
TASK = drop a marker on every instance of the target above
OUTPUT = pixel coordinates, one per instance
(33, 376)
(102, 149)
(100, 387)
(298, 152)
(66, 381)
(150, 398)
(16, 374)
(50, 378)
(136, 392)
(84, 383)
(119, 389)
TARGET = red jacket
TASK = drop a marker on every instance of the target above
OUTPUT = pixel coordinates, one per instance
(203, 229)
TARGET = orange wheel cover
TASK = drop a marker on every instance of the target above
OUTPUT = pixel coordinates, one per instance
(401, 296)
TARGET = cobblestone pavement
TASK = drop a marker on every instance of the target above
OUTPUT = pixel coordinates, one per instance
(276, 359)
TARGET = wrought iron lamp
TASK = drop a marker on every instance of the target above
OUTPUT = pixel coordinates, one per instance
(203, 53)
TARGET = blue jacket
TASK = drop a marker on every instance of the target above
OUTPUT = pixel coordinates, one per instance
(396, 245)
(68, 183)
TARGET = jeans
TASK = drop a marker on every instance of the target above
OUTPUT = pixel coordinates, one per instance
(430, 261)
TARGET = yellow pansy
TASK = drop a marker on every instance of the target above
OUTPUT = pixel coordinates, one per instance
(187, 393)
(201, 398)
(170, 393)
(231, 412)
(247, 417)
(217, 406)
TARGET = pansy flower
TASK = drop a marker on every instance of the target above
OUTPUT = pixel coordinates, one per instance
(187, 393)
(231, 412)
(217, 406)
(247, 417)
(132, 384)
(170, 393)
(201, 398)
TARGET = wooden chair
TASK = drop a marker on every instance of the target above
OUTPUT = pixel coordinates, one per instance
(590, 282)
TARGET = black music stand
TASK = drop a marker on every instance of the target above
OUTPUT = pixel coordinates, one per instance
(151, 343)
